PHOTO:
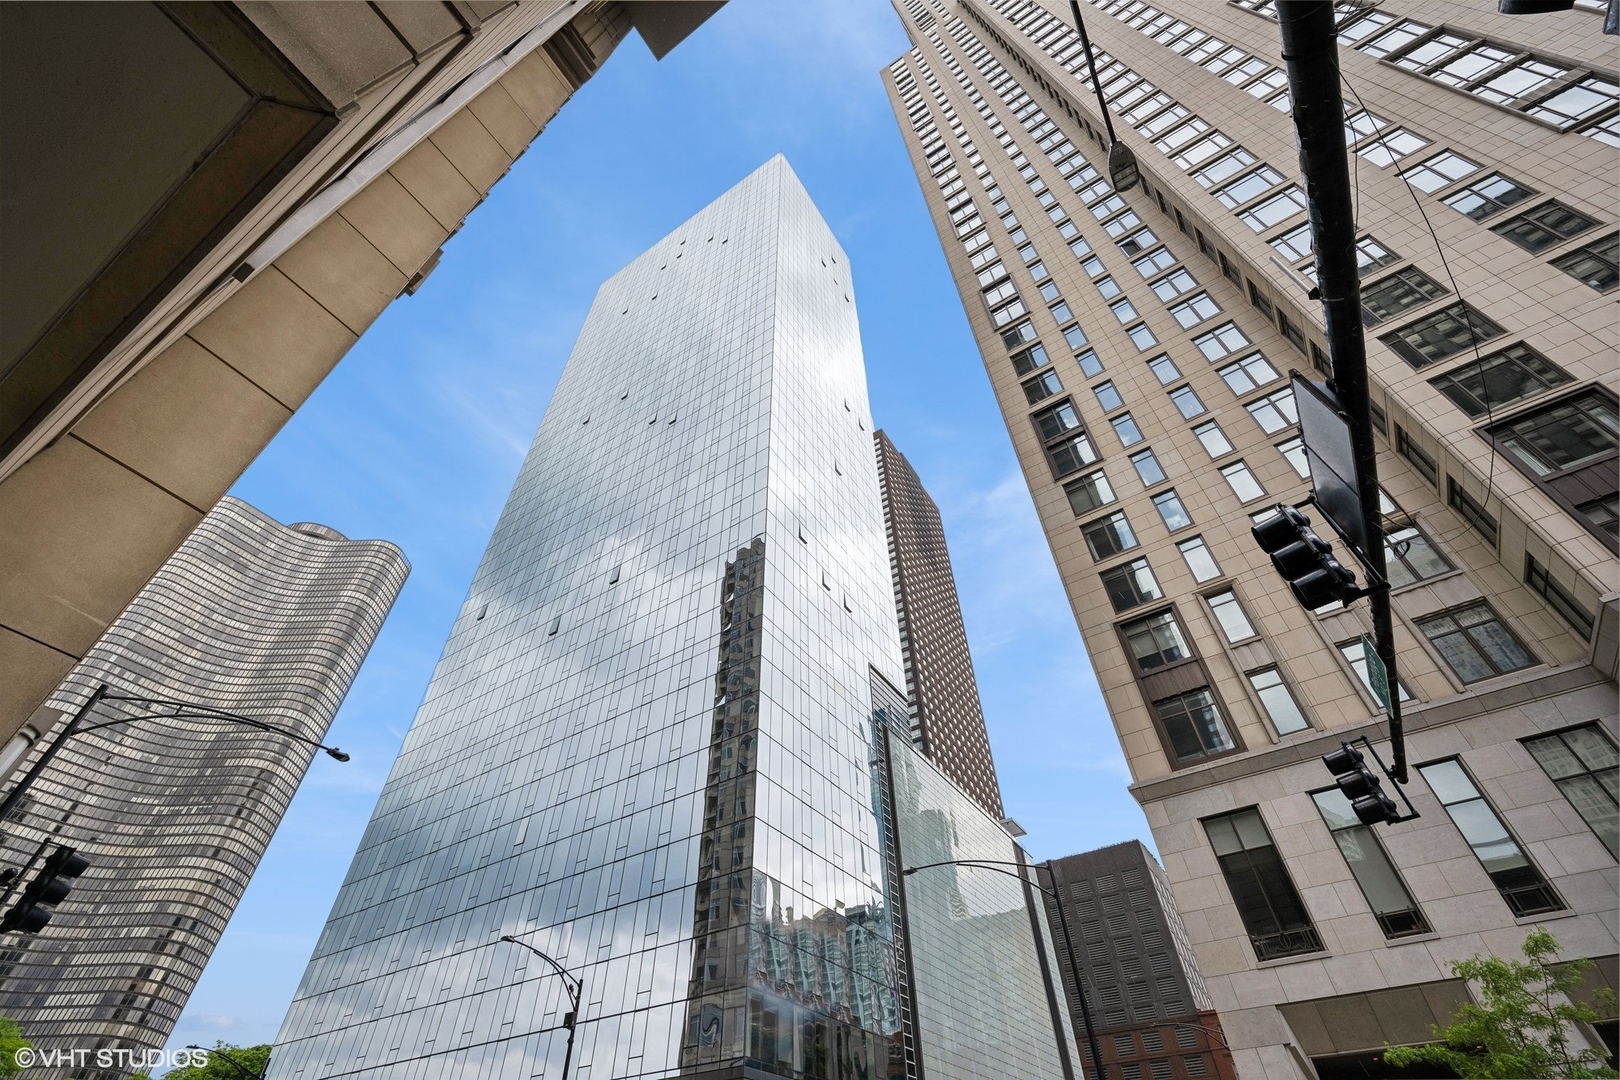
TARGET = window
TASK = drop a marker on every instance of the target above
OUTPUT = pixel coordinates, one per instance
(1486, 197)
(1410, 558)
(1269, 905)
(1173, 285)
(1228, 164)
(1419, 458)
(1221, 341)
(1568, 107)
(1596, 265)
(1542, 226)
(1164, 369)
(1275, 210)
(1142, 337)
(1434, 173)
(1123, 310)
(1089, 492)
(1544, 585)
(1278, 701)
(1108, 536)
(1391, 146)
(1107, 396)
(1242, 482)
(1444, 333)
(1030, 359)
(1175, 516)
(1018, 336)
(1397, 37)
(1514, 875)
(1042, 387)
(1057, 420)
(1106, 285)
(1251, 186)
(1275, 411)
(1582, 762)
(1186, 402)
(1249, 373)
(1295, 244)
(1071, 454)
(1229, 614)
(1147, 467)
(1561, 436)
(1125, 427)
(1213, 438)
(1153, 262)
(1260, 300)
(1474, 643)
(1200, 560)
(1194, 726)
(1392, 905)
(1499, 380)
(1470, 510)
(1370, 255)
(1603, 513)
(1089, 364)
(1194, 310)
(1155, 641)
(1401, 291)
(1061, 312)
(1130, 585)
(1293, 451)
(1360, 123)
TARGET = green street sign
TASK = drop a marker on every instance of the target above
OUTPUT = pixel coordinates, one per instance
(1377, 674)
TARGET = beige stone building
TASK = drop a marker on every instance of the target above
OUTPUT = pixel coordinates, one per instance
(205, 206)
(1139, 343)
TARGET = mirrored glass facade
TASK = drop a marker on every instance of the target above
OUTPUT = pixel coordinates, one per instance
(257, 618)
(646, 748)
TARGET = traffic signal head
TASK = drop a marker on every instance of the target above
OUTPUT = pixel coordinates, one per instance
(1304, 559)
(50, 887)
(1358, 784)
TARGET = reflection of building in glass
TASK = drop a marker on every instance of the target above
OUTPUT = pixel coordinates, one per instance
(947, 721)
(982, 983)
(249, 616)
(1149, 1005)
(648, 747)
(1138, 343)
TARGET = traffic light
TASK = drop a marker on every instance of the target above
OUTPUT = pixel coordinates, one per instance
(50, 887)
(1364, 790)
(1304, 559)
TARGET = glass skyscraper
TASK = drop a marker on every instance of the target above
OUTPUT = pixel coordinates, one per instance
(649, 748)
(267, 620)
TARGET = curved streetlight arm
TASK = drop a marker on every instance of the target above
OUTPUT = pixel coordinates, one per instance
(204, 712)
(237, 1065)
(575, 985)
(987, 864)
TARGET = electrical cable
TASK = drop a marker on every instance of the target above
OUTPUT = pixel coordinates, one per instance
(1468, 319)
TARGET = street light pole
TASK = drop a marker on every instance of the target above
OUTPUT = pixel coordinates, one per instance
(179, 710)
(574, 986)
(1063, 921)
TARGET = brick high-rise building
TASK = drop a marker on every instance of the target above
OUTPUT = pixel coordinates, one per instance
(947, 720)
(1138, 343)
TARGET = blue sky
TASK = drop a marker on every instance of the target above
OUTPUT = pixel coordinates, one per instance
(418, 434)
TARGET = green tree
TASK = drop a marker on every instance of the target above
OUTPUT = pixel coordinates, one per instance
(252, 1060)
(11, 1041)
(1520, 1027)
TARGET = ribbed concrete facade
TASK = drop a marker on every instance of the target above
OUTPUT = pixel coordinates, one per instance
(249, 616)
(1138, 344)
(947, 719)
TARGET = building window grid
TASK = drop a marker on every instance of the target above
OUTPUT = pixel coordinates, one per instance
(1581, 762)
(1504, 861)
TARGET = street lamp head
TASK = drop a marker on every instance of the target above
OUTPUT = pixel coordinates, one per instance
(334, 752)
(908, 871)
(509, 937)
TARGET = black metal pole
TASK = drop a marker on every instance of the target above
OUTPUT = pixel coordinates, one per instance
(1091, 65)
(22, 786)
(572, 983)
(1311, 51)
(573, 1022)
(1078, 973)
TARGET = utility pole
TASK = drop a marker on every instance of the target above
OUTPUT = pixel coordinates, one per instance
(1311, 51)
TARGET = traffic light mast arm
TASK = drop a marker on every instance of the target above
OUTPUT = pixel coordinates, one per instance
(1311, 51)
(1376, 581)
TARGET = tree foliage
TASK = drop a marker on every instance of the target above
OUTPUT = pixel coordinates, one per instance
(252, 1061)
(1521, 1024)
(11, 1041)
